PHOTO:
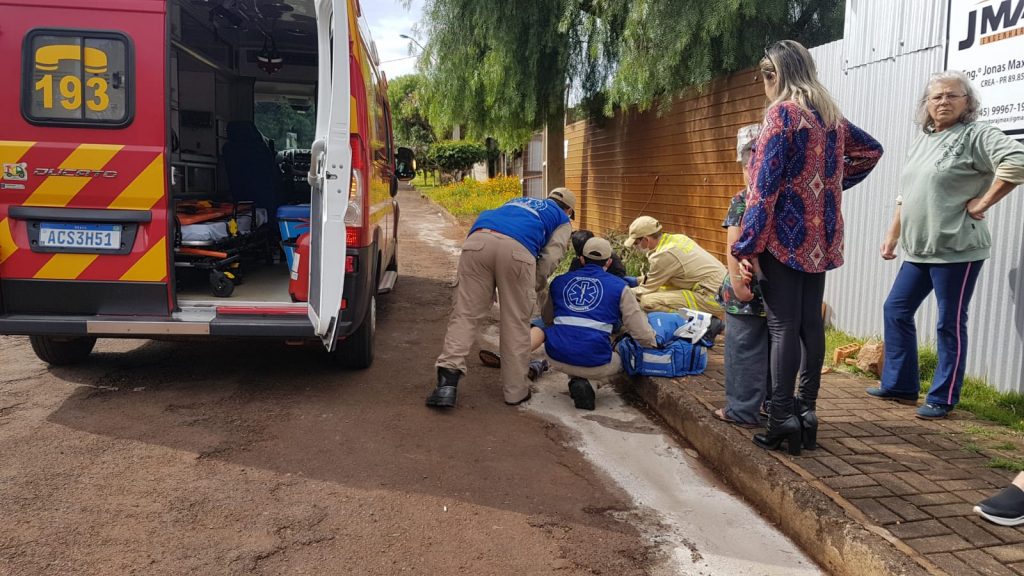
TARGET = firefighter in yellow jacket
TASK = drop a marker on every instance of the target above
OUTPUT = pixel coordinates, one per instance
(681, 274)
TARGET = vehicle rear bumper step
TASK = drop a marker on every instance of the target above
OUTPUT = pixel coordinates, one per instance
(387, 283)
(155, 327)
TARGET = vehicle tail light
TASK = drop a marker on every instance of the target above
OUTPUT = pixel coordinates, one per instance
(352, 236)
(356, 194)
(351, 264)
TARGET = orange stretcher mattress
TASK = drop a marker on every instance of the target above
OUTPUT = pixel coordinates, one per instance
(194, 212)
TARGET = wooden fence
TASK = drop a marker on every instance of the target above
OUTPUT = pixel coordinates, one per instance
(679, 167)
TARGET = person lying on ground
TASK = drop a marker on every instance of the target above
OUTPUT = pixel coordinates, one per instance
(617, 268)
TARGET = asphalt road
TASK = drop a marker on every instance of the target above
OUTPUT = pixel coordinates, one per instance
(258, 458)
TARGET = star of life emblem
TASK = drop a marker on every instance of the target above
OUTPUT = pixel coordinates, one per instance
(582, 294)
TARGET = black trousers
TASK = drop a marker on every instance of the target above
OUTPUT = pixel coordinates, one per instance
(797, 330)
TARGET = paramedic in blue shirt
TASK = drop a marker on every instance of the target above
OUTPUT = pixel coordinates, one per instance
(586, 306)
(512, 248)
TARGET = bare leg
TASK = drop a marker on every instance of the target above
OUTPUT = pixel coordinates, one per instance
(536, 338)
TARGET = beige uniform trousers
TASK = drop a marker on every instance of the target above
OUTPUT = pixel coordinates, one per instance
(602, 372)
(672, 300)
(492, 260)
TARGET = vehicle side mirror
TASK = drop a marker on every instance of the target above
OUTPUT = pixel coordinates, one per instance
(405, 164)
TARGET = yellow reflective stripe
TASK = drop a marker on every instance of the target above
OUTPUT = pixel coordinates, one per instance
(353, 114)
(145, 190)
(152, 267)
(65, 266)
(690, 299)
(681, 241)
(11, 152)
(59, 190)
(7, 245)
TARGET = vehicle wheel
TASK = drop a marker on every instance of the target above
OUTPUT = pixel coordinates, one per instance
(356, 351)
(234, 273)
(221, 285)
(62, 351)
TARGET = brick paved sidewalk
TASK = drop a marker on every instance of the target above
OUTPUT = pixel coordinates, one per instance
(912, 481)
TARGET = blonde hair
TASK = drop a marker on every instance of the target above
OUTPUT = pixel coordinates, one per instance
(797, 77)
(924, 120)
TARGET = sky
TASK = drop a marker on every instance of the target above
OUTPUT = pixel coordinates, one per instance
(387, 20)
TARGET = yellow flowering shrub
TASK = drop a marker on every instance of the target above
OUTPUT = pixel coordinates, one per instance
(469, 197)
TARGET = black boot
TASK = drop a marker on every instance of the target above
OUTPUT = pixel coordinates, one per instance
(582, 393)
(787, 430)
(444, 395)
(808, 423)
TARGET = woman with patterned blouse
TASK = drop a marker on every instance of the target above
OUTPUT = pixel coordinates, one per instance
(805, 156)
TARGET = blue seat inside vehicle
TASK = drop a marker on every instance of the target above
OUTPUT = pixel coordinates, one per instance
(251, 169)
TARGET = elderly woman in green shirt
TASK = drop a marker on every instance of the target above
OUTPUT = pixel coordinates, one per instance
(955, 171)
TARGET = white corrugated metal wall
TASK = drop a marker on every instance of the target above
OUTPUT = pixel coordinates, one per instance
(877, 73)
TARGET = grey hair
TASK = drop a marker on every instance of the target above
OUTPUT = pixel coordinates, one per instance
(745, 138)
(924, 120)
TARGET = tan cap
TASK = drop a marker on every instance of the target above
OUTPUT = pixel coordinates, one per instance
(642, 226)
(597, 249)
(565, 196)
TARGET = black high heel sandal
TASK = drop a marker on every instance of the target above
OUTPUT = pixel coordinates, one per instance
(808, 424)
(789, 431)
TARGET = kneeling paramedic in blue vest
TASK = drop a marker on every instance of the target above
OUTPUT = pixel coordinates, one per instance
(513, 248)
(585, 308)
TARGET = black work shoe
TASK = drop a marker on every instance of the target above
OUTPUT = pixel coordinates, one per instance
(714, 329)
(525, 399)
(903, 398)
(446, 392)
(582, 393)
(1005, 508)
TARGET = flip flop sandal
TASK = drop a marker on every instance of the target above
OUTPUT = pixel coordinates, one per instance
(490, 359)
(720, 415)
(537, 367)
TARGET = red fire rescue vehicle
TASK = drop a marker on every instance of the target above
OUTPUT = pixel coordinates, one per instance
(140, 199)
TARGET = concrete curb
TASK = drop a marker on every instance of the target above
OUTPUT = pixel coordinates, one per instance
(839, 538)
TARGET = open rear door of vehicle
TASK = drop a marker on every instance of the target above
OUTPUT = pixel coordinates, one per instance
(330, 171)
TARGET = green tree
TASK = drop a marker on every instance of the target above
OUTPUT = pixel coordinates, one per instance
(457, 156)
(504, 68)
(276, 119)
(706, 39)
(409, 119)
(495, 68)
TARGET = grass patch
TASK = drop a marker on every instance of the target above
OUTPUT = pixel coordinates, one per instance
(1006, 447)
(971, 447)
(982, 431)
(834, 339)
(1006, 408)
(1011, 464)
(470, 198)
(425, 182)
(976, 396)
